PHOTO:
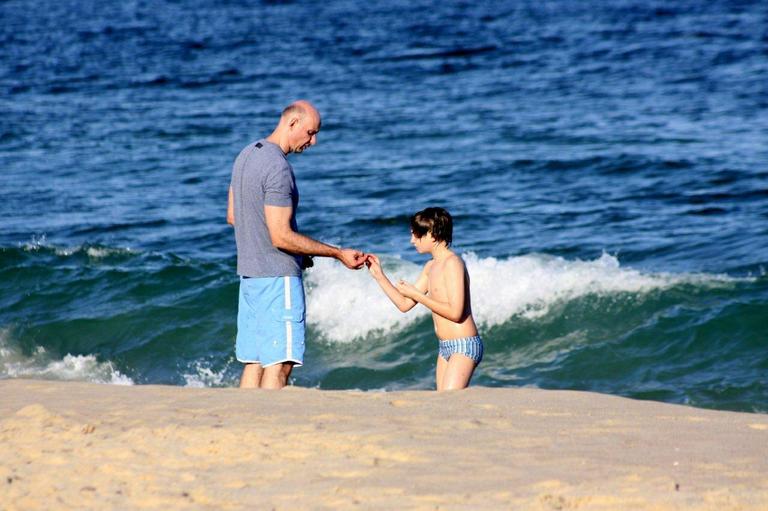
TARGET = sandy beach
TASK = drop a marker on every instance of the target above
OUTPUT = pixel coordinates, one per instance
(90, 446)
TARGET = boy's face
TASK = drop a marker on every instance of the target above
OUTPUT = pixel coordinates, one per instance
(424, 244)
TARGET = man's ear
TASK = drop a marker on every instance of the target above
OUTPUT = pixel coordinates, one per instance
(293, 122)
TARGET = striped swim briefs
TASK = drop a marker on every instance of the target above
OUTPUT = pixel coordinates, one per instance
(471, 347)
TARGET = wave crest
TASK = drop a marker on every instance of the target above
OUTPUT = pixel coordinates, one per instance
(93, 251)
(14, 364)
(347, 305)
(529, 285)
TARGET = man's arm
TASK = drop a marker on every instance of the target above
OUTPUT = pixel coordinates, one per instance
(453, 309)
(231, 207)
(285, 238)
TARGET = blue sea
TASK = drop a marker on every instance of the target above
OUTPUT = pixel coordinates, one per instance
(606, 163)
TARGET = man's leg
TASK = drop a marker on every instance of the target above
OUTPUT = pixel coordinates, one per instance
(276, 376)
(251, 377)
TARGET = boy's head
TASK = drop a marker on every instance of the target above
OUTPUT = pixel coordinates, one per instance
(435, 221)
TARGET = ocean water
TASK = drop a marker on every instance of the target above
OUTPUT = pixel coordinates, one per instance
(606, 164)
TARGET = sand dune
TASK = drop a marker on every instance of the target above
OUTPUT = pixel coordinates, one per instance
(89, 446)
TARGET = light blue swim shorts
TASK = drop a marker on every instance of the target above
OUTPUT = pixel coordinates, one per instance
(471, 347)
(270, 321)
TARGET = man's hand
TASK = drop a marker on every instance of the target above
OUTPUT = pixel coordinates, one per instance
(351, 258)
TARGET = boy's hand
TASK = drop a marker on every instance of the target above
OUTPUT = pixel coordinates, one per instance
(407, 289)
(374, 266)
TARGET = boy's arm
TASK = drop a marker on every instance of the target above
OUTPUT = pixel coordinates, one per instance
(453, 309)
(403, 303)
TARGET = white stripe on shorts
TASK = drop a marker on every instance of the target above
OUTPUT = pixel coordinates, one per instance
(288, 326)
(287, 283)
(289, 340)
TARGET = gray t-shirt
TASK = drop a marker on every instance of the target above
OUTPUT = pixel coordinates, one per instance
(262, 176)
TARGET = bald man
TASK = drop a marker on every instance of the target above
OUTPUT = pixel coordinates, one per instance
(270, 251)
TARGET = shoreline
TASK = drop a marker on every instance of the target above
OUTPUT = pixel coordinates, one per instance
(72, 445)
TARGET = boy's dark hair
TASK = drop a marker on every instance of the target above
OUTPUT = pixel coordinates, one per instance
(433, 220)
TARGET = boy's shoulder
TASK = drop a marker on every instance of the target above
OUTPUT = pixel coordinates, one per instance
(452, 261)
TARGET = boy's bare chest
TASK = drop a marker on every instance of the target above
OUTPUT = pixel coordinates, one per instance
(436, 281)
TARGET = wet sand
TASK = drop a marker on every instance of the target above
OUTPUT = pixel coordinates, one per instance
(89, 446)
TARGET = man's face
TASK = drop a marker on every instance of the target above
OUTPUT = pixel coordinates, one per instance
(304, 132)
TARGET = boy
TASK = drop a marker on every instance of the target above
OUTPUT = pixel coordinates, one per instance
(442, 287)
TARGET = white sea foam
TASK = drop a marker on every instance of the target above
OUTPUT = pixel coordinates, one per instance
(14, 364)
(93, 252)
(529, 285)
(36, 243)
(204, 376)
(346, 305)
(101, 252)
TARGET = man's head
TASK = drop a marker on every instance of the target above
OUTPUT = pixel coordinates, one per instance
(298, 127)
(432, 222)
